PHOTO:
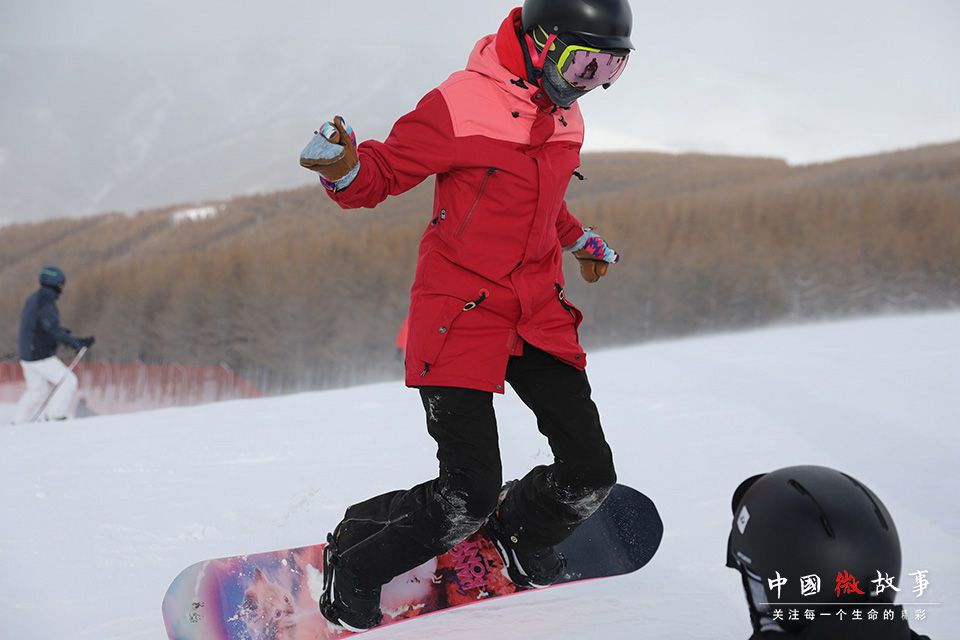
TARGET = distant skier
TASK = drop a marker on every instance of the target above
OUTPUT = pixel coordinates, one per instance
(812, 534)
(488, 303)
(40, 334)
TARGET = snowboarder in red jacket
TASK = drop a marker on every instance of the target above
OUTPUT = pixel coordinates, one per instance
(488, 304)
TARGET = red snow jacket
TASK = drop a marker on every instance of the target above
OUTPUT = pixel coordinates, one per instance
(489, 274)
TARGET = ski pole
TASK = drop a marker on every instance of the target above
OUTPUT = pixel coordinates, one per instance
(56, 387)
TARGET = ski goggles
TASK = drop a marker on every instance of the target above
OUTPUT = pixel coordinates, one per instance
(582, 67)
(586, 68)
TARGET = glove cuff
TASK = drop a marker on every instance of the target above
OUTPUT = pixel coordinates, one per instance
(344, 182)
(593, 247)
(581, 242)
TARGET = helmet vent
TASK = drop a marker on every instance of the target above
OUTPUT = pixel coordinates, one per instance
(876, 508)
(823, 515)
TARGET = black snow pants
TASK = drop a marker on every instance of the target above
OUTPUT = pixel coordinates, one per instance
(390, 534)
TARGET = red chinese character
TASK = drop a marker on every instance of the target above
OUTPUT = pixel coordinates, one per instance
(847, 584)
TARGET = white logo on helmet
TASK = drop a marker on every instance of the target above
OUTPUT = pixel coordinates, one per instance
(743, 519)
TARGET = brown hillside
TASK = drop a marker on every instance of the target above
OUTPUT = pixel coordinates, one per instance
(296, 293)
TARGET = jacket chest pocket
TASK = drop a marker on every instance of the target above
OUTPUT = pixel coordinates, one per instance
(468, 216)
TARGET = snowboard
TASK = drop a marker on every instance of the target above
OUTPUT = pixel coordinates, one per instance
(274, 596)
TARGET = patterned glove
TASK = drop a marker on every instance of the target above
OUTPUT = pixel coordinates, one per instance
(333, 155)
(594, 254)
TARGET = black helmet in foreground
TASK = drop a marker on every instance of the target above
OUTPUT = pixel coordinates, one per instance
(604, 24)
(822, 531)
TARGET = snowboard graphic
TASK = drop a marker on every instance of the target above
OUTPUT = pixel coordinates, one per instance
(274, 596)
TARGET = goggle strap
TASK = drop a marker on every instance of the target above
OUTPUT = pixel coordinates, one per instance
(542, 57)
(546, 51)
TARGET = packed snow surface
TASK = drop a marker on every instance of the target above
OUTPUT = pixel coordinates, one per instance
(101, 514)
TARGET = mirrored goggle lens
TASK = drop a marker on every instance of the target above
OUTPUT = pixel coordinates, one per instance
(588, 70)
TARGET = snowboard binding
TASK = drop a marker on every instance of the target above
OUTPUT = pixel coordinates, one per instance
(344, 602)
(528, 566)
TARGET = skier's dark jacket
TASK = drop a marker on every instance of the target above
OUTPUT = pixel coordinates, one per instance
(40, 329)
(849, 629)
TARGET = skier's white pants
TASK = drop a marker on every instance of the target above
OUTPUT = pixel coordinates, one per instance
(40, 377)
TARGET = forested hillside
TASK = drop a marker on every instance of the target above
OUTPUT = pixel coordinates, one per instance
(295, 293)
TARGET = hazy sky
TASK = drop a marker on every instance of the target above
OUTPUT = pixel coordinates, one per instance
(807, 81)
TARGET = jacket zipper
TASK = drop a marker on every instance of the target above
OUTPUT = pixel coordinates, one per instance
(476, 201)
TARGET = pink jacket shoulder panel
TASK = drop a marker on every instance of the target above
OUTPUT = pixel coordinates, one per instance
(484, 101)
(479, 107)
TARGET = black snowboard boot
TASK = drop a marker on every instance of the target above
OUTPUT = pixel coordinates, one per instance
(345, 602)
(527, 565)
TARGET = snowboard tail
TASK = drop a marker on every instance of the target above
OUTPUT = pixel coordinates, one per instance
(274, 596)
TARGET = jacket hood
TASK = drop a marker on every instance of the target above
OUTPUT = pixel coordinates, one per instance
(499, 57)
(508, 44)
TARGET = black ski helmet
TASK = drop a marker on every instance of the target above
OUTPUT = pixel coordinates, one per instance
(811, 521)
(603, 24)
(52, 276)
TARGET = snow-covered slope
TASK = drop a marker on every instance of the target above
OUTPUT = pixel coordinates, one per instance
(100, 514)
